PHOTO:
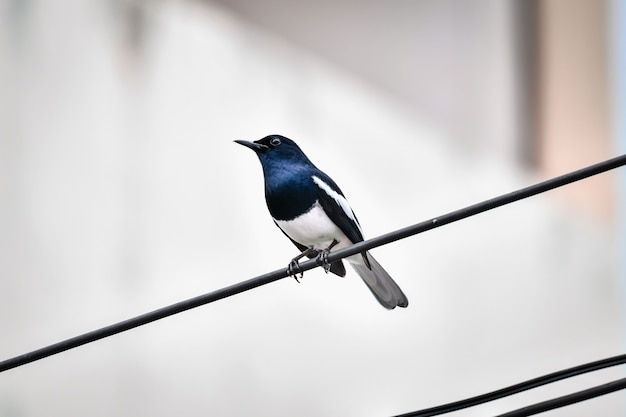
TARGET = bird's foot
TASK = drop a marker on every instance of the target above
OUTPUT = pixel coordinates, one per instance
(294, 271)
(322, 257)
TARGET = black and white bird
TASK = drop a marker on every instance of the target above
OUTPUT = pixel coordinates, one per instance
(310, 209)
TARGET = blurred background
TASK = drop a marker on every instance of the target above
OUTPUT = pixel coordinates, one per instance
(121, 191)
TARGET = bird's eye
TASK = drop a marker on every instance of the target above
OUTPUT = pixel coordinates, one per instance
(275, 142)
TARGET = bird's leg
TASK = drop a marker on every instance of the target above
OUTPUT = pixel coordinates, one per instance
(293, 269)
(322, 257)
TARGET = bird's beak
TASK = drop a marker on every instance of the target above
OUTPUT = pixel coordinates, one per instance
(256, 147)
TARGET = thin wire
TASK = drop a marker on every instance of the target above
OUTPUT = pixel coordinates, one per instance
(481, 207)
(523, 386)
(568, 399)
(310, 264)
(146, 318)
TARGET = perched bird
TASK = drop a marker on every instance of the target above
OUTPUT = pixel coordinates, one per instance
(311, 210)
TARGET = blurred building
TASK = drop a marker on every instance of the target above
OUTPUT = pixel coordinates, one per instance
(121, 192)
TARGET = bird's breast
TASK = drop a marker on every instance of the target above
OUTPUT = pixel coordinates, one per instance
(314, 229)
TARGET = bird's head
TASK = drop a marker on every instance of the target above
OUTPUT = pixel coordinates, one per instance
(276, 148)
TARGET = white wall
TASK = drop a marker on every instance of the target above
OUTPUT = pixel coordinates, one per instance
(121, 191)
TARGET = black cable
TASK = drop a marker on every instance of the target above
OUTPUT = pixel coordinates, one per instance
(305, 266)
(481, 207)
(517, 388)
(146, 318)
(568, 399)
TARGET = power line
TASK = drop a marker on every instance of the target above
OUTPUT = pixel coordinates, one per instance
(570, 399)
(534, 383)
(310, 264)
(481, 207)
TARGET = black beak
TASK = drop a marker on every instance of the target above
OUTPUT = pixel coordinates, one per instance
(256, 147)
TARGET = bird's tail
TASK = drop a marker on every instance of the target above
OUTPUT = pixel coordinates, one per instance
(384, 288)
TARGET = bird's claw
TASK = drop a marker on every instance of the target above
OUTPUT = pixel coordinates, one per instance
(293, 270)
(322, 259)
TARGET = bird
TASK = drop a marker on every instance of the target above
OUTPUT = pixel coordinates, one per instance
(312, 211)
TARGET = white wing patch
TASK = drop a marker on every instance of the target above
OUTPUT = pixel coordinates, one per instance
(341, 200)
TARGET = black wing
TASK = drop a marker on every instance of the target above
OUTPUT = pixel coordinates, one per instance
(338, 210)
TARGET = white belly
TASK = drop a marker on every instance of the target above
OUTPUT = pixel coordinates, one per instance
(314, 230)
